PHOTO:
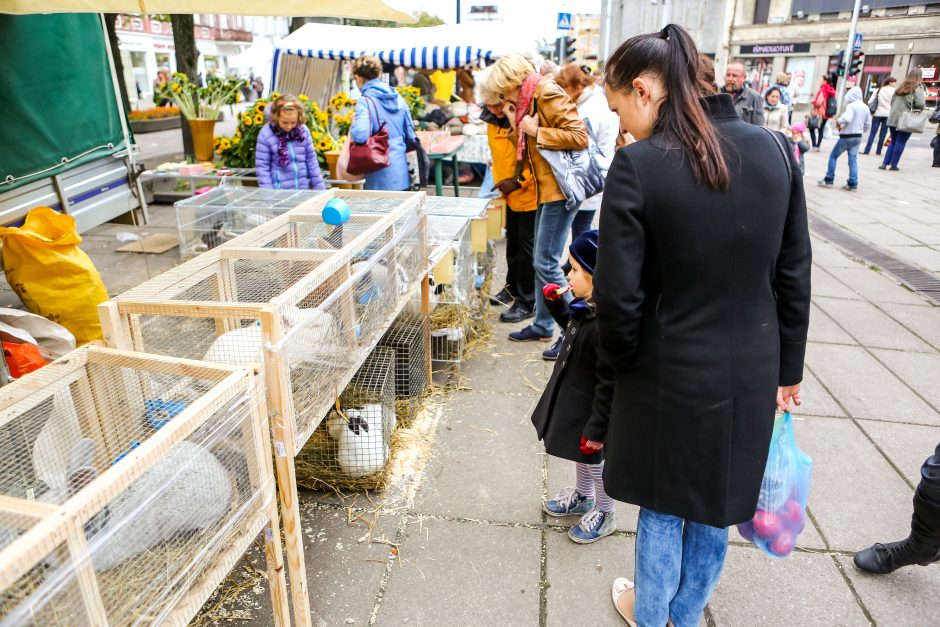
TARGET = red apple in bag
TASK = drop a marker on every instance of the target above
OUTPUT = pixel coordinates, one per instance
(783, 544)
(766, 524)
(792, 516)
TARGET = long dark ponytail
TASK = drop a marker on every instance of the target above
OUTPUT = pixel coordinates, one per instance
(671, 54)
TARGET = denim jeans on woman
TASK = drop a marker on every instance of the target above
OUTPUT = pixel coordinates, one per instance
(876, 122)
(552, 225)
(582, 222)
(678, 564)
(896, 147)
(850, 145)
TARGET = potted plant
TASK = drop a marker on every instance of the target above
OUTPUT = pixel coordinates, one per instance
(201, 106)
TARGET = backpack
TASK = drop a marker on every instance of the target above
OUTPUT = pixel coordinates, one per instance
(832, 106)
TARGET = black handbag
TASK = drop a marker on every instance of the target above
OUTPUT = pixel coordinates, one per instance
(419, 178)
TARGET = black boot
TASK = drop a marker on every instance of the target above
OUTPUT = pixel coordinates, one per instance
(882, 559)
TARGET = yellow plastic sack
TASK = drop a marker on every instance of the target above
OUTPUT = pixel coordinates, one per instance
(52, 275)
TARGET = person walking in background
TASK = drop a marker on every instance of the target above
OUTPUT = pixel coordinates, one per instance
(521, 203)
(466, 82)
(909, 96)
(922, 546)
(879, 121)
(786, 98)
(545, 119)
(747, 102)
(572, 415)
(775, 112)
(800, 144)
(592, 107)
(823, 109)
(422, 80)
(381, 104)
(284, 155)
(852, 124)
(935, 142)
(705, 341)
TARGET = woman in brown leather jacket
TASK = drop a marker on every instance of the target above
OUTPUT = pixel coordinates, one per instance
(546, 119)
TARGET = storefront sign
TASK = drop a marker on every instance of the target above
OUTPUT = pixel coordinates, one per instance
(774, 48)
(929, 73)
(884, 46)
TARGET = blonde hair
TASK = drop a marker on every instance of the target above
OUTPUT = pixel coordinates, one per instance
(507, 74)
(367, 66)
(781, 76)
(289, 103)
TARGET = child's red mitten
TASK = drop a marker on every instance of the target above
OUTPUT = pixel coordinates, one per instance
(553, 291)
(589, 447)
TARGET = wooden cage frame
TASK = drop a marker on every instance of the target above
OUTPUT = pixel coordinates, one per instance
(48, 527)
(154, 297)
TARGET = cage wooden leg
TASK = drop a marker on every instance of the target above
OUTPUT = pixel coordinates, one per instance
(425, 311)
(276, 375)
(277, 579)
(86, 579)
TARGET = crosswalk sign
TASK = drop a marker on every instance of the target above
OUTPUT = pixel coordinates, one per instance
(858, 41)
(564, 21)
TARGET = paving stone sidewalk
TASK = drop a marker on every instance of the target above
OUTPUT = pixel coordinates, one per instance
(473, 547)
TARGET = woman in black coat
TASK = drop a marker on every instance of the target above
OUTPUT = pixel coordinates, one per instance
(703, 292)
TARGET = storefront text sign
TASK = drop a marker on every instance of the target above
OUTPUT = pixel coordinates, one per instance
(775, 48)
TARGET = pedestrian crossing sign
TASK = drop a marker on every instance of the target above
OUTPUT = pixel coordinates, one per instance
(564, 21)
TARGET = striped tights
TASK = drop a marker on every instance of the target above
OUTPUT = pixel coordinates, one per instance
(590, 483)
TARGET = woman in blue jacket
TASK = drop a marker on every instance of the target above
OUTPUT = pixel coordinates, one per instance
(380, 103)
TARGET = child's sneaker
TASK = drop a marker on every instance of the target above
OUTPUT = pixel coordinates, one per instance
(567, 502)
(592, 527)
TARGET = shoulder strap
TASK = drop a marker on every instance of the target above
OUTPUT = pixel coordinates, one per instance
(786, 157)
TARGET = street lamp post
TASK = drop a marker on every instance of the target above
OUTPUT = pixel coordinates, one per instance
(849, 47)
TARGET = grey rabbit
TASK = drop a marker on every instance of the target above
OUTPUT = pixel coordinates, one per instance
(187, 490)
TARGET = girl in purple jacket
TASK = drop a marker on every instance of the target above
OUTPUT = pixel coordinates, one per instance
(284, 156)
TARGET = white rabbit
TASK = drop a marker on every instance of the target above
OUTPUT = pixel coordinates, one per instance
(50, 454)
(361, 444)
(318, 335)
(186, 490)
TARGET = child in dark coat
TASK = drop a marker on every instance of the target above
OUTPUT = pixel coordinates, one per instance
(572, 415)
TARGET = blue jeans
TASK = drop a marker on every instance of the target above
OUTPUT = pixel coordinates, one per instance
(582, 222)
(678, 564)
(552, 224)
(896, 147)
(850, 145)
(877, 122)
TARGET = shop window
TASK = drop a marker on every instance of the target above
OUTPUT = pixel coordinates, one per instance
(802, 70)
(761, 11)
(932, 8)
(823, 17)
(759, 73)
(894, 11)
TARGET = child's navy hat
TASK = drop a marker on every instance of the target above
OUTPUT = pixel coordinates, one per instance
(584, 250)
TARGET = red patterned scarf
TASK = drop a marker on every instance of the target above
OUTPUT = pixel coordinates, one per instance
(526, 92)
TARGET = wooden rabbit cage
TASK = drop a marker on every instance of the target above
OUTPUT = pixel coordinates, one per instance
(307, 299)
(131, 485)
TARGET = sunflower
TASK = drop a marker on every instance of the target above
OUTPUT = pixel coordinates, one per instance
(275, 95)
(175, 87)
(224, 144)
(235, 140)
(259, 118)
(325, 144)
(303, 98)
(248, 120)
(259, 108)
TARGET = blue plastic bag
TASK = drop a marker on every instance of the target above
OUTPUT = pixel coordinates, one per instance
(781, 507)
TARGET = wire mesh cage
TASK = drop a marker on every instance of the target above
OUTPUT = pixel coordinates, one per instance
(410, 339)
(318, 296)
(307, 299)
(211, 219)
(351, 448)
(131, 485)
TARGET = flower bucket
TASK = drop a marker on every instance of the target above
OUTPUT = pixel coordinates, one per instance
(203, 138)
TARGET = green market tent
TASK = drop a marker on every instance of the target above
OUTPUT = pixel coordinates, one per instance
(60, 104)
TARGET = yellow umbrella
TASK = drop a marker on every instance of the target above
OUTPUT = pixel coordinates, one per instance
(363, 9)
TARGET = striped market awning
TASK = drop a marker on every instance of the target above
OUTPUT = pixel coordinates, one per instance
(424, 57)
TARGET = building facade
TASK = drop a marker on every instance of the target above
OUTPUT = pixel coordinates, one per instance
(146, 45)
(586, 31)
(795, 36)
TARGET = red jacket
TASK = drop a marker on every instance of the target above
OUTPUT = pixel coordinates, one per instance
(822, 96)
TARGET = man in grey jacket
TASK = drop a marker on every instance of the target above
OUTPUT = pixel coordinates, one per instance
(748, 103)
(853, 123)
